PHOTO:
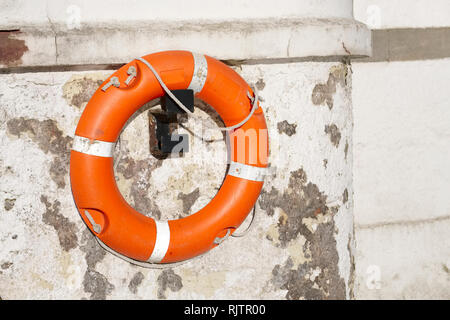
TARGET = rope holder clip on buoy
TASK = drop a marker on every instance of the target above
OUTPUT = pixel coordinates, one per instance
(132, 73)
(114, 81)
(97, 228)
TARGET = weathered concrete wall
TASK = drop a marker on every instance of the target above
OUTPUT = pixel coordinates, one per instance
(301, 246)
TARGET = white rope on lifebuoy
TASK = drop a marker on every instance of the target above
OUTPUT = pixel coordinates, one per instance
(254, 99)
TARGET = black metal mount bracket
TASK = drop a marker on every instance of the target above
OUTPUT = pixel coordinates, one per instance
(169, 142)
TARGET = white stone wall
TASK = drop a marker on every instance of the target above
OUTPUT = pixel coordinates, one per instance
(389, 14)
(401, 161)
(48, 253)
(401, 178)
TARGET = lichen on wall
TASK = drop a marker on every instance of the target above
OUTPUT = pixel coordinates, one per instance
(300, 246)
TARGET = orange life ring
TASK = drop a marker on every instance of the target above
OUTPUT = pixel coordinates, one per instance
(106, 213)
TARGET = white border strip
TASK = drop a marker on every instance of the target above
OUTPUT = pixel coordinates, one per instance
(200, 72)
(161, 243)
(93, 147)
(247, 172)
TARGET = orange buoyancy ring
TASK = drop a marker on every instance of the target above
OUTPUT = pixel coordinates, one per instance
(107, 214)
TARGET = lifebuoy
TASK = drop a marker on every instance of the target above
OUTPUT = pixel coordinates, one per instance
(107, 214)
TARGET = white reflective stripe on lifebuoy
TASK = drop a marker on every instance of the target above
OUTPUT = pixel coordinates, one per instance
(247, 172)
(161, 243)
(200, 72)
(93, 147)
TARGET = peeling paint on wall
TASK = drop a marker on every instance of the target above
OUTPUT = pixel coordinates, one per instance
(168, 280)
(335, 135)
(139, 173)
(135, 282)
(65, 229)
(97, 285)
(9, 204)
(6, 265)
(300, 201)
(286, 128)
(324, 92)
(188, 199)
(94, 283)
(93, 252)
(260, 84)
(345, 196)
(50, 139)
(346, 149)
(351, 281)
(79, 89)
